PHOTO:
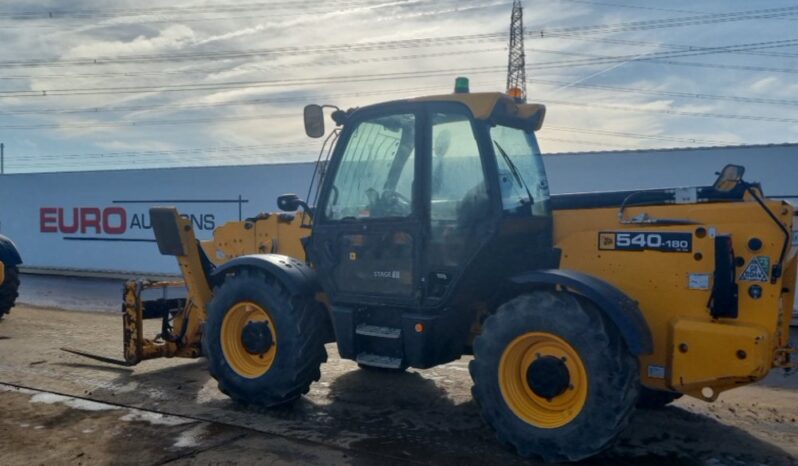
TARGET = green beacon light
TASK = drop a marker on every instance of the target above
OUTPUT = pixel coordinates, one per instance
(461, 85)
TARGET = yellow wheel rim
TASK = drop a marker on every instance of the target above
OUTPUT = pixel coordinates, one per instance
(547, 413)
(245, 363)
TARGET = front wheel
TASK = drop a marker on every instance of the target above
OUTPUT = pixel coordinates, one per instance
(9, 290)
(264, 346)
(553, 378)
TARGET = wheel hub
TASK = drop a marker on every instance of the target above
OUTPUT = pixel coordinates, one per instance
(548, 377)
(257, 337)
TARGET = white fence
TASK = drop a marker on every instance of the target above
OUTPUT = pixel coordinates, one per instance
(98, 221)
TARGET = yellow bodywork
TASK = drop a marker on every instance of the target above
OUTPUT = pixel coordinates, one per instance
(692, 351)
(265, 234)
(483, 104)
(187, 324)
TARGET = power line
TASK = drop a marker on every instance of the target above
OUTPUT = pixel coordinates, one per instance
(272, 16)
(123, 123)
(685, 50)
(685, 47)
(248, 84)
(711, 18)
(656, 92)
(233, 103)
(638, 7)
(674, 112)
(160, 153)
(405, 75)
(325, 61)
(576, 30)
(277, 51)
(661, 57)
(57, 13)
(624, 134)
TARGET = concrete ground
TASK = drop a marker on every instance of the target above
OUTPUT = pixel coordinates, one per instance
(58, 408)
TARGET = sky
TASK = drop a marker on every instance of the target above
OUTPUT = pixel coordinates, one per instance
(89, 84)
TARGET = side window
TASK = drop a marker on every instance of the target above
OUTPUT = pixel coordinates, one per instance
(458, 184)
(459, 197)
(522, 177)
(375, 177)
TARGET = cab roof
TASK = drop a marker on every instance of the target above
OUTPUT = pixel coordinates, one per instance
(485, 105)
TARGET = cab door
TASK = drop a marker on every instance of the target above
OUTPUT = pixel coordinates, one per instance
(366, 241)
(462, 202)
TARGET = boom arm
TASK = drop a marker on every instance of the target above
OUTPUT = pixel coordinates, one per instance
(175, 237)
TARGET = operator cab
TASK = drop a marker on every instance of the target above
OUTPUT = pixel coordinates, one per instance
(422, 195)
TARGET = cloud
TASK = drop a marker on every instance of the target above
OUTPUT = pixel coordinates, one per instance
(298, 68)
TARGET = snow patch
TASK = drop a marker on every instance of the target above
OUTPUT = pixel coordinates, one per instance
(192, 437)
(75, 403)
(154, 418)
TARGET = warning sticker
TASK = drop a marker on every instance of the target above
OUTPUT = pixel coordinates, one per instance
(757, 270)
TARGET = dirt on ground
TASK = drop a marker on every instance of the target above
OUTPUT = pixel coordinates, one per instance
(59, 408)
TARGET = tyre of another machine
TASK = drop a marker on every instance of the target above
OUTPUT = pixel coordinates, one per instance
(264, 346)
(9, 290)
(553, 377)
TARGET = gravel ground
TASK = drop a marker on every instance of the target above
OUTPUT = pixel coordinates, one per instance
(75, 411)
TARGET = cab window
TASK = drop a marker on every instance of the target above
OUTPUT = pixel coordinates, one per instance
(459, 202)
(522, 177)
(376, 173)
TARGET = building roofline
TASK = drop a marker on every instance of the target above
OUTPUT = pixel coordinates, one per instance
(675, 149)
(310, 162)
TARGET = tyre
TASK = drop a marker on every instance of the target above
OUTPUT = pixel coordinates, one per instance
(553, 378)
(263, 345)
(656, 399)
(9, 290)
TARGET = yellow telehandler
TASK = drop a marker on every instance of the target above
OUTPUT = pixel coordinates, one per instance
(430, 234)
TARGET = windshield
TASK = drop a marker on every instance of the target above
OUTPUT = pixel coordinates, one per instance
(521, 174)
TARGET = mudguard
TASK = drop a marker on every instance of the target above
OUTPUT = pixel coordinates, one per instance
(614, 303)
(294, 274)
(9, 254)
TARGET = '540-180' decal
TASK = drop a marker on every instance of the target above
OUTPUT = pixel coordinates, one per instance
(640, 241)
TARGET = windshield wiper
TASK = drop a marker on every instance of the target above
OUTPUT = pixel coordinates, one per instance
(514, 171)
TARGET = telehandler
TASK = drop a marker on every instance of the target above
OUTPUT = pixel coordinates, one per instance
(431, 234)
(9, 275)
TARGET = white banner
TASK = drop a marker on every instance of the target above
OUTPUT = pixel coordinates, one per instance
(100, 220)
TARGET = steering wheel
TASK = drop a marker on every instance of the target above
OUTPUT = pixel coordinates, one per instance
(388, 204)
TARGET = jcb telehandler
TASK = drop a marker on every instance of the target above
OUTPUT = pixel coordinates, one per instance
(9, 275)
(431, 235)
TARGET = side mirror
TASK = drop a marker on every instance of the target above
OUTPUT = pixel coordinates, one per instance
(314, 121)
(290, 203)
(729, 178)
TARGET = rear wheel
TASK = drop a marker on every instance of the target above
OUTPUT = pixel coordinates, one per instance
(9, 290)
(553, 378)
(656, 399)
(264, 346)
